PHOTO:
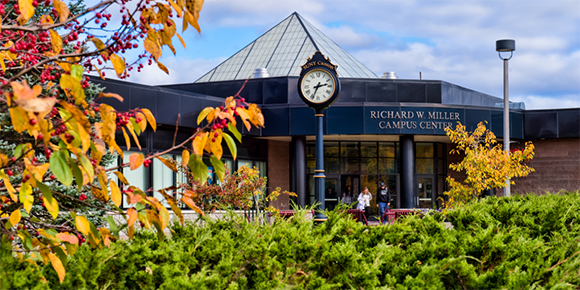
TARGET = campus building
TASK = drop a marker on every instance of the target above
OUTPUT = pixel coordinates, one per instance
(381, 129)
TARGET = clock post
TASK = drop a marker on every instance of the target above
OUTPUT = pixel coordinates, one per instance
(318, 87)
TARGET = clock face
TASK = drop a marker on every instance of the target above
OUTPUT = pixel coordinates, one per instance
(318, 86)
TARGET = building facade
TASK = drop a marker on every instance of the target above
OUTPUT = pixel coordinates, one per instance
(381, 129)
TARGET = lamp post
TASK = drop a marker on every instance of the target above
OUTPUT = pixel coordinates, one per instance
(506, 45)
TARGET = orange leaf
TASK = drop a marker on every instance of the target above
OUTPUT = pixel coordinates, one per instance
(143, 123)
(111, 95)
(135, 160)
(57, 265)
(163, 67)
(185, 157)
(56, 42)
(118, 64)
(121, 177)
(168, 162)
(132, 213)
(116, 196)
(199, 143)
(189, 202)
(152, 47)
(150, 118)
(65, 237)
(181, 39)
(24, 92)
(61, 9)
(127, 139)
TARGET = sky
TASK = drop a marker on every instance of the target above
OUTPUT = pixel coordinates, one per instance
(448, 40)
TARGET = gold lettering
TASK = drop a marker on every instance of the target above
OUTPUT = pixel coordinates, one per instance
(397, 116)
(390, 114)
(410, 114)
(383, 114)
(373, 114)
(420, 114)
(456, 116)
(404, 115)
(431, 115)
(422, 124)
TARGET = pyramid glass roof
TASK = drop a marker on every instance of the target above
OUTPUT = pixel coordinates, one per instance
(282, 50)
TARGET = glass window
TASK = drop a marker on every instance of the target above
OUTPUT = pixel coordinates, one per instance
(424, 166)
(310, 150)
(311, 164)
(368, 165)
(331, 165)
(243, 162)
(368, 149)
(261, 165)
(162, 177)
(424, 150)
(330, 149)
(349, 149)
(349, 165)
(387, 165)
(387, 149)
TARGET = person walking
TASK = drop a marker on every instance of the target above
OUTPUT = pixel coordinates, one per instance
(347, 195)
(384, 202)
(364, 202)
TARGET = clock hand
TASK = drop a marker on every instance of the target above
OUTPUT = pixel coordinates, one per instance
(315, 89)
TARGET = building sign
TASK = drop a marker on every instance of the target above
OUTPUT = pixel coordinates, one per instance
(410, 120)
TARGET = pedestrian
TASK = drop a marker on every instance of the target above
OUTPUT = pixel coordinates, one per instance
(384, 199)
(347, 195)
(364, 202)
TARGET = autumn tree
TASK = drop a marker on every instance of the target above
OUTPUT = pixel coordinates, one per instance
(46, 50)
(486, 164)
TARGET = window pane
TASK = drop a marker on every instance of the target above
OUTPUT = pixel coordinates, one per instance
(349, 165)
(243, 162)
(330, 149)
(310, 150)
(368, 165)
(387, 165)
(310, 164)
(229, 164)
(423, 150)
(368, 149)
(162, 177)
(262, 168)
(387, 149)
(441, 166)
(331, 165)
(349, 149)
(424, 166)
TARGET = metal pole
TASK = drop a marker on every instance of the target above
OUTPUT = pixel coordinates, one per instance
(319, 171)
(506, 119)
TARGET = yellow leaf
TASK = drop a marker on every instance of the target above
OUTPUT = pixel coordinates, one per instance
(9, 186)
(46, 19)
(26, 197)
(203, 114)
(185, 157)
(102, 176)
(216, 143)
(150, 118)
(152, 47)
(135, 160)
(56, 42)
(23, 92)
(127, 139)
(15, 217)
(199, 143)
(26, 9)
(57, 265)
(132, 131)
(130, 231)
(191, 19)
(82, 224)
(61, 9)
(176, 7)
(20, 120)
(245, 117)
(143, 123)
(121, 177)
(116, 196)
(181, 39)
(132, 213)
(118, 64)
(168, 163)
(72, 86)
(66, 237)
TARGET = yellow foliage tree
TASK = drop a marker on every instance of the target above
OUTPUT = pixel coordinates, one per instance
(486, 164)
(46, 48)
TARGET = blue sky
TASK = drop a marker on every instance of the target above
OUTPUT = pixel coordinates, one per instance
(449, 40)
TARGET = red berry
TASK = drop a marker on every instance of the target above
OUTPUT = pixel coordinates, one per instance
(52, 176)
(9, 172)
(32, 122)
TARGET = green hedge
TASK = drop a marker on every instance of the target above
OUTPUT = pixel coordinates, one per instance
(515, 243)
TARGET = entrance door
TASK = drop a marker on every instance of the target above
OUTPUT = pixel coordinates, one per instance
(331, 192)
(425, 192)
(354, 182)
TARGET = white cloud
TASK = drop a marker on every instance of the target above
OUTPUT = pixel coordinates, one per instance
(541, 102)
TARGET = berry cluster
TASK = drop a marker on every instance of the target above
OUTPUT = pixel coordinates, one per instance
(81, 239)
(82, 197)
(124, 118)
(147, 162)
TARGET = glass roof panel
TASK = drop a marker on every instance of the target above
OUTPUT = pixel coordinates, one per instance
(282, 50)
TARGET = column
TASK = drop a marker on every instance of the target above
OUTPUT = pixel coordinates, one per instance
(408, 190)
(299, 166)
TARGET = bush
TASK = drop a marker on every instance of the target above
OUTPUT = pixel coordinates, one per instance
(519, 242)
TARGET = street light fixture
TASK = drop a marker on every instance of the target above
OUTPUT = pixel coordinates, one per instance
(506, 45)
